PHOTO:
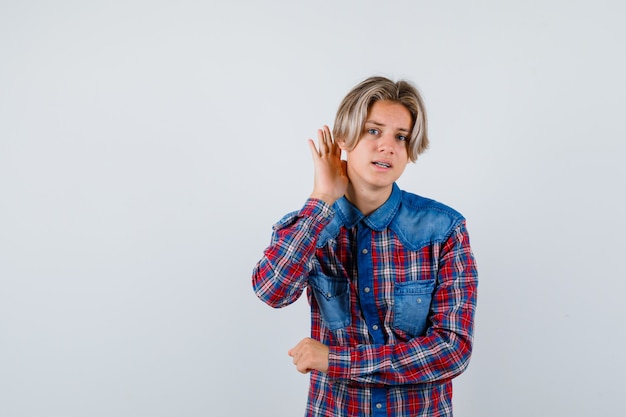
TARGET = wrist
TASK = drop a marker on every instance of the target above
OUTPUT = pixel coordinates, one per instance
(327, 198)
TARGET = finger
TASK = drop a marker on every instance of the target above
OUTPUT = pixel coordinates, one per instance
(329, 136)
(335, 149)
(322, 140)
(314, 151)
(328, 140)
(301, 366)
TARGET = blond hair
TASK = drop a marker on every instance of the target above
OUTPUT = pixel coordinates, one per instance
(353, 110)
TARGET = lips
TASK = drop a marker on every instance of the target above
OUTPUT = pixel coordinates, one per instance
(382, 164)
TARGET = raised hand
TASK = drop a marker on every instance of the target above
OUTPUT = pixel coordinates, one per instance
(331, 178)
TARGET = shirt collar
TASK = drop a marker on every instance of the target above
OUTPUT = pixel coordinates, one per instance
(378, 220)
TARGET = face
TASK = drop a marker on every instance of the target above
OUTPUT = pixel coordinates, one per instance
(380, 156)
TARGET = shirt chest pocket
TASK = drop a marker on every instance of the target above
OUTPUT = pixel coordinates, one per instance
(333, 297)
(411, 306)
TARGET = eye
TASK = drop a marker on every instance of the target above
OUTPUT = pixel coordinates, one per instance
(403, 138)
(373, 131)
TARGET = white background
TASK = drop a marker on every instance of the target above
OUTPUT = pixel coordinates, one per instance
(146, 148)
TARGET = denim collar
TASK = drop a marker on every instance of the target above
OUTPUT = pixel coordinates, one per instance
(378, 220)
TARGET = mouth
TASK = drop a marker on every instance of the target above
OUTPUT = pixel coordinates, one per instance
(381, 164)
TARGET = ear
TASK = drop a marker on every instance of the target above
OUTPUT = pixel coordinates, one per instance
(341, 143)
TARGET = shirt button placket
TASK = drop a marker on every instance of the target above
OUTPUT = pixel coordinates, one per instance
(379, 402)
(379, 395)
(369, 294)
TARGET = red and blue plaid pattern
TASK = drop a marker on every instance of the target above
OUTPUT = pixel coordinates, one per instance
(376, 367)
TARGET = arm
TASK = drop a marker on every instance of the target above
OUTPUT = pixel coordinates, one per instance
(444, 351)
(280, 276)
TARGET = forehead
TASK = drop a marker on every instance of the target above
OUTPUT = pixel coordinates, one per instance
(389, 113)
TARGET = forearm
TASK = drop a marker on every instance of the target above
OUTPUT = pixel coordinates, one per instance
(279, 277)
(420, 360)
(441, 354)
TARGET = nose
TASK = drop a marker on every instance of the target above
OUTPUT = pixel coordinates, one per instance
(387, 143)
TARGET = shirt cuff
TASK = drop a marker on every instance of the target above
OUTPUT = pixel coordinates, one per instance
(339, 362)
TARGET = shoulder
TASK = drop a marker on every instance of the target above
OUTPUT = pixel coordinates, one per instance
(330, 232)
(421, 221)
(315, 210)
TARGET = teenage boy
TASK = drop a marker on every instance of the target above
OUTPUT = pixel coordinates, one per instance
(390, 276)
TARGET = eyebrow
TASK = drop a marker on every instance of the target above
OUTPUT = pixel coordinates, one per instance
(383, 125)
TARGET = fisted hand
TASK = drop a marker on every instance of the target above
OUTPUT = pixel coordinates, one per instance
(309, 355)
(331, 178)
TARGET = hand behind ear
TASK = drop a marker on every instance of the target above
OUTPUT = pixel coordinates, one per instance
(331, 177)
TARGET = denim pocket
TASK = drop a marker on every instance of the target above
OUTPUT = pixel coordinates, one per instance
(333, 297)
(412, 305)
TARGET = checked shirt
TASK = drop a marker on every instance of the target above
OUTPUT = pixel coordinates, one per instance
(392, 294)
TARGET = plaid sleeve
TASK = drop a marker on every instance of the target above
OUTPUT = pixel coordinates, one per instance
(279, 278)
(444, 351)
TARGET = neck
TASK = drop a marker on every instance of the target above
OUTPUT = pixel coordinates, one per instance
(367, 201)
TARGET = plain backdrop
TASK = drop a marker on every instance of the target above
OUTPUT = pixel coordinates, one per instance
(147, 147)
